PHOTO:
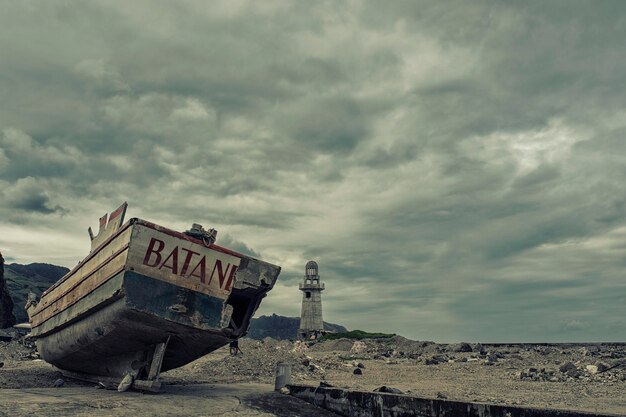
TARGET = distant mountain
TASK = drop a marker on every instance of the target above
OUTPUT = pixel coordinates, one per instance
(22, 279)
(280, 327)
(47, 271)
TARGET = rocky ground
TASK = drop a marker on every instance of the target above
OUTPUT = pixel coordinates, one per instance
(578, 377)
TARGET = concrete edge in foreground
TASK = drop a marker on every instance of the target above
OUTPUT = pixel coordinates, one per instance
(376, 404)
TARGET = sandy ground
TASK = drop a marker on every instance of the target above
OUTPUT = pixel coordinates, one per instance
(473, 382)
(502, 375)
(191, 400)
(513, 375)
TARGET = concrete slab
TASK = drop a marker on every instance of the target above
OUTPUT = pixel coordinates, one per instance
(353, 403)
(175, 400)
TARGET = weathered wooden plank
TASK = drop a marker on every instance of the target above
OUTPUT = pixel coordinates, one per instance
(110, 227)
(103, 256)
(108, 292)
(81, 289)
(157, 360)
(112, 383)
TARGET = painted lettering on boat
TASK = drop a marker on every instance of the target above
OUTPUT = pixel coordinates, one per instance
(193, 264)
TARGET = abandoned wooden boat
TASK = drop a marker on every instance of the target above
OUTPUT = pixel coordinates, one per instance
(146, 299)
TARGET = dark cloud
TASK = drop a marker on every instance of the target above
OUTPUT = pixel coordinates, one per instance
(29, 196)
(34, 202)
(327, 125)
(456, 169)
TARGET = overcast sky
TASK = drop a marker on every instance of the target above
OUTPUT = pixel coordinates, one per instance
(457, 169)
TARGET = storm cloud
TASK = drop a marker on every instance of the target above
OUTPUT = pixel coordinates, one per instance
(456, 169)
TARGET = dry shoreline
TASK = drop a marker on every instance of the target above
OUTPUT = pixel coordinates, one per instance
(531, 375)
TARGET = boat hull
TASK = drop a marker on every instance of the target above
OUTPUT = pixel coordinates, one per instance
(140, 289)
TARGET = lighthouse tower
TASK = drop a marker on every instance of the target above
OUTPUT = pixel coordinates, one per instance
(311, 323)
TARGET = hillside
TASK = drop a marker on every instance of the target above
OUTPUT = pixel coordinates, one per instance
(22, 279)
(282, 328)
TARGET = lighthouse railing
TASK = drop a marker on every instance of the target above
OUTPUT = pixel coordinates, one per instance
(311, 286)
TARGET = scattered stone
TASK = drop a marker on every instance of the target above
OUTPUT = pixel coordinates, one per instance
(125, 384)
(58, 383)
(5, 336)
(592, 369)
(478, 348)
(590, 350)
(360, 365)
(431, 361)
(284, 390)
(390, 390)
(299, 347)
(358, 347)
(567, 366)
(601, 367)
(573, 373)
(441, 395)
(463, 347)
(357, 371)
(315, 368)
(325, 385)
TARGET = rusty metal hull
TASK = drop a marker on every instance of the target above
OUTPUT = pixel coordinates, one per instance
(142, 288)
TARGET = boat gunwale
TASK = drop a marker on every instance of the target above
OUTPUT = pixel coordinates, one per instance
(77, 284)
(126, 225)
(72, 320)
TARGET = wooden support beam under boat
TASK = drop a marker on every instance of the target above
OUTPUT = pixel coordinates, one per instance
(113, 383)
(151, 384)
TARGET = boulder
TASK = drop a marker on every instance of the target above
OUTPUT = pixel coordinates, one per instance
(601, 367)
(573, 373)
(462, 347)
(431, 361)
(478, 348)
(390, 390)
(7, 319)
